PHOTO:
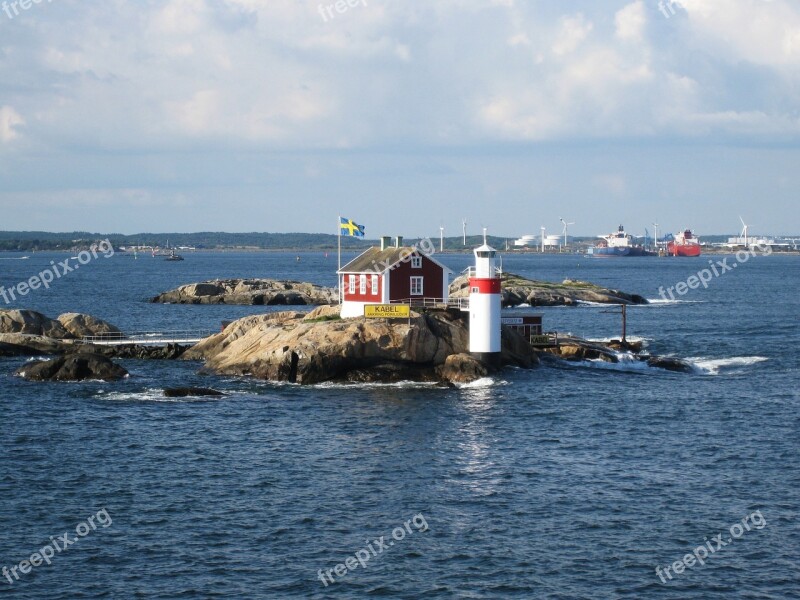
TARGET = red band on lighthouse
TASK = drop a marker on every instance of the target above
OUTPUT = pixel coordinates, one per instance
(485, 286)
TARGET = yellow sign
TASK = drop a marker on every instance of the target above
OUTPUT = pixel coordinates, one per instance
(387, 311)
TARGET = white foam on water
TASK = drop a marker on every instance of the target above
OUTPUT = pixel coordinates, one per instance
(627, 364)
(151, 395)
(375, 384)
(713, 366)
(665, 302)
(483, 382)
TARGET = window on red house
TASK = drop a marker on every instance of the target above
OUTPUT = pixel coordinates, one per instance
(416, 286)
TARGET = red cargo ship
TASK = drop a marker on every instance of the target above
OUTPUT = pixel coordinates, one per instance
(684, 244)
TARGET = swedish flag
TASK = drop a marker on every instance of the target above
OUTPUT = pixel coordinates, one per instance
(349, 228)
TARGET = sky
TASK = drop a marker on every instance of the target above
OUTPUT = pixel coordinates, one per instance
(404, 115)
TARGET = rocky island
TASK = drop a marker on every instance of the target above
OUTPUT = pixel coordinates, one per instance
(319, 346)
(251, 292)
(519, 290)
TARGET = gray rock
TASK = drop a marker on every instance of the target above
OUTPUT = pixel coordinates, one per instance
(184, 392)
(32, 323)
(74, 367)
(254, 292)
(79, 325)
(518, 290)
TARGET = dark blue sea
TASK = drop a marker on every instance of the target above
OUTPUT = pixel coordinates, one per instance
(567, 481)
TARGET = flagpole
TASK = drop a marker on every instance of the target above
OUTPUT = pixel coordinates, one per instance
(339, 238)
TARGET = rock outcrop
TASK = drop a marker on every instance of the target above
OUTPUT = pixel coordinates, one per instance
(518, 290)
(32, 323)
(25, 344)
(66, 327)
(255, 292)
(285, 347)
(79, 326)
(462, 368)
(142, 352)
(73, 367)
(576, 349)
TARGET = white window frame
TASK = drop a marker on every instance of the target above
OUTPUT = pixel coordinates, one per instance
(413, 284)
(362, 284)
(374, 285)
(351, 279)
(416, 262)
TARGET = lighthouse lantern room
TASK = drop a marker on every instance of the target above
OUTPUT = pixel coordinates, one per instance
(484, 305)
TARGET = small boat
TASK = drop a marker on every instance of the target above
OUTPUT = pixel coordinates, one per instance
(618, 244)
(173, 257)
(684, 244)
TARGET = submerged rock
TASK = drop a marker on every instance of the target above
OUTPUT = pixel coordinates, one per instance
(670, 364)
(249, 292)
(183, 392)
(285, 347)
(74, 367)
(518, 290)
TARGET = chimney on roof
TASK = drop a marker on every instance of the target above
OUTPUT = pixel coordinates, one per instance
(386, 242)
(399, 241)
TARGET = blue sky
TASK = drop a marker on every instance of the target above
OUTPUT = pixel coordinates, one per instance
(275, 115)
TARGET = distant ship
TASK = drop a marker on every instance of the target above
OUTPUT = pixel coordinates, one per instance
(618, 244)
(684, 244)
(173, 257)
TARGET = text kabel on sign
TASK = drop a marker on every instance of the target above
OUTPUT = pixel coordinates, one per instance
(387, 311)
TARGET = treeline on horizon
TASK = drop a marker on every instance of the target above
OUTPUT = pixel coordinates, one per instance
(27, 241)
(44, 240)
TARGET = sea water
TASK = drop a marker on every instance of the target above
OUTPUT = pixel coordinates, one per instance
(566, 481)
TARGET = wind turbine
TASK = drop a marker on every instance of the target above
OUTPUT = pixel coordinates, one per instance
(655, 235)
(566, 226)
(441, 238)
(543, 230)
(464, 227)
(744, 232)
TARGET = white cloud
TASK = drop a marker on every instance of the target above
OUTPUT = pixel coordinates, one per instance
(630, 22)
(276, 75)
(10, 119)
(573, 31)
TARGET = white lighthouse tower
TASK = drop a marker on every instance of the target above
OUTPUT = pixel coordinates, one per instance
(484, 305)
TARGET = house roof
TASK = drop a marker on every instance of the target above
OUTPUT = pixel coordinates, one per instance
(375, 260)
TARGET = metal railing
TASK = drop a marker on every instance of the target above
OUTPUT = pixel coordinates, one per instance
(148, 338)
(471, 271)
(425, 302)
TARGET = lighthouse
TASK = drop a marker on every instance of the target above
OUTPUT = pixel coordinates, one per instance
(484, 305)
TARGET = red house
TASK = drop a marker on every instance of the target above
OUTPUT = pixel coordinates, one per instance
(386, 274)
